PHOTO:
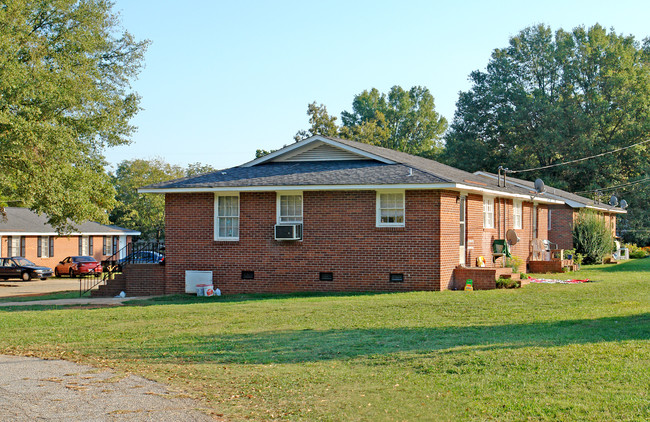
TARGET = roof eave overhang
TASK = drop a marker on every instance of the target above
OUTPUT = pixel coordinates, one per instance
(53, 233)
(429, 186)
(569, 202)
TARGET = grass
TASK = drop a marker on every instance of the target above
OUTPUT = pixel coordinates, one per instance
(540, 353)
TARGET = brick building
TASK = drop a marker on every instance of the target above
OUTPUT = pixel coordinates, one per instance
(561, 216)
(25, 233)
(364, 218)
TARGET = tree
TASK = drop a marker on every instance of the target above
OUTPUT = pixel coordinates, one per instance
(65, 68)
(550, 98)
(321, 123)
(402, 120)
(145, 212)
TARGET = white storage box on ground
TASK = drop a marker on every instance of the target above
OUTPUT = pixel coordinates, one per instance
(193, 278)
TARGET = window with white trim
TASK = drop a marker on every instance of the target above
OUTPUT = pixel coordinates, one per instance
(289, 207)
(43, 247)
(488, 213)
(391, 209)
(550, 226)
(517, 214)
(226, 217)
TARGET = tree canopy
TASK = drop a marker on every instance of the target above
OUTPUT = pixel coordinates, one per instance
(401, 120)
(65, 72)
(145, 212)
(549, 98)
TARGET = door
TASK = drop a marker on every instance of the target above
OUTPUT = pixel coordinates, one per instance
(462, 252)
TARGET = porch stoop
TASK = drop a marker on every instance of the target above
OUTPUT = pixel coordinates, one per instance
(113, 287)
(483, 278)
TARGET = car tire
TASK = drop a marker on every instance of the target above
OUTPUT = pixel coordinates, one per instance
(43, 278)
(56, 273)
(72, 273)
(26, 276)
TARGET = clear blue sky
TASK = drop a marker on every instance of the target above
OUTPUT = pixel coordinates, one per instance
(223, 78)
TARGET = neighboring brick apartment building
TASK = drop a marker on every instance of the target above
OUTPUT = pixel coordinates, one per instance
(561, 216)
(366, 218)
(25, 233)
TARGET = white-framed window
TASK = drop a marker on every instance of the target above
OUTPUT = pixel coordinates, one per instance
(43, 247)
(14, 245)
(289, 207)
(84, 245)
(226, 216)
(517, 214)
(391, 209)
(488, 212)
(535, 222)
(550, 226)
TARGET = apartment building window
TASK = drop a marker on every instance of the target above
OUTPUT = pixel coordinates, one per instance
(226, 217)
(391, 209)
(488, 213)
(517, 215)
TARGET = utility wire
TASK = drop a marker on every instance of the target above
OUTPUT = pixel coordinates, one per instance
(579, 159)
(614, 187)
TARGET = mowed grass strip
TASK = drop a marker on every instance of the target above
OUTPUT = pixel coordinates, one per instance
(543, 352)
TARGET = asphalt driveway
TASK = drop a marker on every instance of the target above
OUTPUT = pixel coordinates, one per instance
(37, 287)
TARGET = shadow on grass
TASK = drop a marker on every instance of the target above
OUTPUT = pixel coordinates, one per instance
(296, 346)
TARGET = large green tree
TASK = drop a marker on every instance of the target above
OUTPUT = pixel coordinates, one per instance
(549, 98)
(401, 120)
(145, 212)
(65, 72)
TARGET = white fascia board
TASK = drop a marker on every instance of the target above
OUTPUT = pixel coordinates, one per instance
(315, 138)
(436, 186)
(117, 233)
(569, 202)
(495, 193)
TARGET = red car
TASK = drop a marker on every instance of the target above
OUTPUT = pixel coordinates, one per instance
(78, 265)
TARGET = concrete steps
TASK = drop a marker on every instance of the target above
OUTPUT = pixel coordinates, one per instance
(113, 287)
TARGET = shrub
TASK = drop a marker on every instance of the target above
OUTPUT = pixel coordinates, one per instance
(592, 237)
(635, 251)
(507, 283)
(514, 262)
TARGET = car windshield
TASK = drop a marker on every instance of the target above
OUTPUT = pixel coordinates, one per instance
(23, 262)
(83, 259)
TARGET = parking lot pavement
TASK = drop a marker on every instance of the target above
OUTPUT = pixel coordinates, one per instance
(56, 390)
(37, 287)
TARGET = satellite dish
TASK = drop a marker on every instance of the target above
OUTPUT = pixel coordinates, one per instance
(511, 237)
(539, 186)
(613, 201)
(624, 203)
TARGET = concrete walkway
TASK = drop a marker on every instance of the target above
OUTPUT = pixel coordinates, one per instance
(33, 389)
(101, 301)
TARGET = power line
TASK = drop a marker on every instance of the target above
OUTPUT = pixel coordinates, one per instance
(579, 159)
(614, 187)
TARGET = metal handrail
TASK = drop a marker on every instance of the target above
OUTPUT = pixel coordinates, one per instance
(132, 253)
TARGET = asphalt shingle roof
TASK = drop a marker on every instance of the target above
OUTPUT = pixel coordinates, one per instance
(23, 220)
(559, 193)
(409, 169)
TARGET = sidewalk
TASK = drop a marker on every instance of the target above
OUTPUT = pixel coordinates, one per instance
(108, 301)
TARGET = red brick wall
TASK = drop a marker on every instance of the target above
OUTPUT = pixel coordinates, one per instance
(339, 236)
(145, 279)
(562, 226)
(480, 239)
(64, 246)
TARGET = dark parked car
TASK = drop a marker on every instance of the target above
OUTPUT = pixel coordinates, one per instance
(78, 265)
(19, 267)
(142, 257)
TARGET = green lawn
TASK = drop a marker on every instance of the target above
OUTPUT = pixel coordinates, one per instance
(543, 352)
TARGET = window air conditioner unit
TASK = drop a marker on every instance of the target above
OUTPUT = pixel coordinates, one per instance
(288, 231)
